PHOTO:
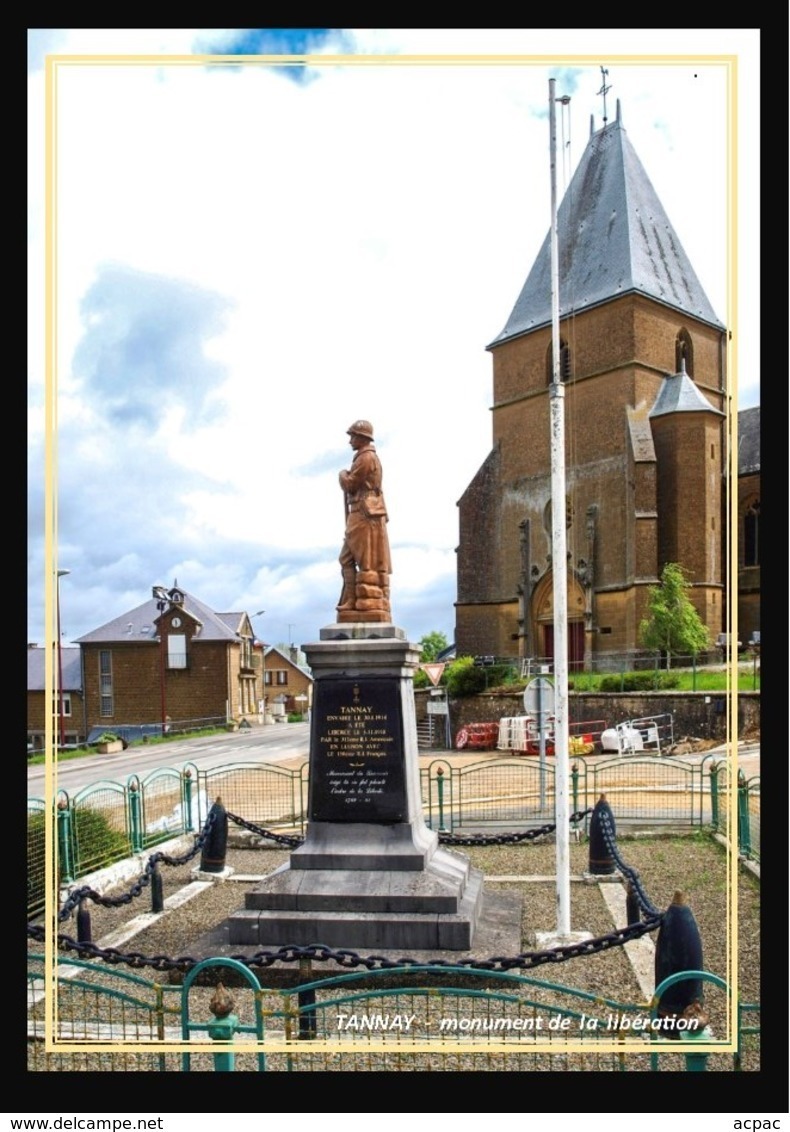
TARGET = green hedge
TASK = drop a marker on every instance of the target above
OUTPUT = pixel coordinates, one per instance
(639, 681)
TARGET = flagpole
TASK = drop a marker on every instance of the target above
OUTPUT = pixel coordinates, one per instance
(559, 564)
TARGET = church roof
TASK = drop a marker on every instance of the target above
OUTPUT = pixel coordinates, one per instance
(749, 441)
(679, 394)
(613, 238)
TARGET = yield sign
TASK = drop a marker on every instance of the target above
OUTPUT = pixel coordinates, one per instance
(433, 672)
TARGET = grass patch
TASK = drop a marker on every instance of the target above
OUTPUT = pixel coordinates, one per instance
(37, 758)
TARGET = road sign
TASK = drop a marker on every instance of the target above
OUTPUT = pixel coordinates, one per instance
(539, 697)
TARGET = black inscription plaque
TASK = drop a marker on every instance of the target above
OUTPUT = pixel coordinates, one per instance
(357, 768)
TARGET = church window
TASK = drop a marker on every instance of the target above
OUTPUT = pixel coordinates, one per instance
(684, 353)
(751, 534)
(565, 362)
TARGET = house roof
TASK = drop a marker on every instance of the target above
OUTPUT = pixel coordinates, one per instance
(272, 650)
(138, 625)
(613, 238)
(749, 441)
(71, 667)
(679, 394)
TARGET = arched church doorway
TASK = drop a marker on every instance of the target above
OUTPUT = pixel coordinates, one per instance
(543, 619)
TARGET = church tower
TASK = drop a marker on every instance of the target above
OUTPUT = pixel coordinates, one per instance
(643, 363)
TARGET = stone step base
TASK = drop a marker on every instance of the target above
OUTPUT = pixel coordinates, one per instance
(295, 890)
(405, 929)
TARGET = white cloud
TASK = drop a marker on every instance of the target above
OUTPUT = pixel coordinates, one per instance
(366, 235)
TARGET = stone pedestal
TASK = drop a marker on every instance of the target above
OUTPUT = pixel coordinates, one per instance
(370, 873)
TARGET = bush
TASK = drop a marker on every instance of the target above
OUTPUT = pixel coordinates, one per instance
(35, 864)
(639, 681)
(97, 842)
(463, 679)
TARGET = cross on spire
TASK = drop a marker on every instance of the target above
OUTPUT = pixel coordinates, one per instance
(604, 91)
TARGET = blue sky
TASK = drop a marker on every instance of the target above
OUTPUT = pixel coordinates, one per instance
(250, 257)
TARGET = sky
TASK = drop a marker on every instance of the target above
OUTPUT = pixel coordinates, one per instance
(249, 257)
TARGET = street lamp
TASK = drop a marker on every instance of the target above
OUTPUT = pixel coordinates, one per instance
(160, 596)
(260, 613)
(62, 728)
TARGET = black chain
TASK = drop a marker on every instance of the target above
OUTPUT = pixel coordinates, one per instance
(280, 838)
(508, 838)
(347, 958)
(526, 960)
(444, 838)
(77, 895)
(632, 875)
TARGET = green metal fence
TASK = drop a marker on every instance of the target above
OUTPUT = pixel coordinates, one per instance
(519, 791)
(403, 1019)
(109, 821)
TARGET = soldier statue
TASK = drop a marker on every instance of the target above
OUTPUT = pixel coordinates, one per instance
(365, 556)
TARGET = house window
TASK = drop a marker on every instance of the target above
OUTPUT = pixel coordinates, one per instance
(66, 700)
(751, 534)
(105, 682)
(282, 676)
(267, 677)
(684, 353)
(176, 650)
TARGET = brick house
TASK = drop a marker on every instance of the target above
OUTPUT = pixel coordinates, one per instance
(171, 661)
(748, 524)
(643, 369)
(286, 681)
(74, 728)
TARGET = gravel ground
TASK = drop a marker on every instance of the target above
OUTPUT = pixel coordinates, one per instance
(693, 864)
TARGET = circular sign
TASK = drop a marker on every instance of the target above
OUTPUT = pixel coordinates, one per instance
(539, 697)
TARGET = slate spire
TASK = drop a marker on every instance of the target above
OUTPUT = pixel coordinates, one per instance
(614, 239)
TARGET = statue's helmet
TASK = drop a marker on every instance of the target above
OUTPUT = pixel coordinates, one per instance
(361, 428)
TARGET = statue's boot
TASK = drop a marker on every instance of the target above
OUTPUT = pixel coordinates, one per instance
(348, 595)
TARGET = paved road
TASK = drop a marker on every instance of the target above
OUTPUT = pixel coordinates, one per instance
(273, 743)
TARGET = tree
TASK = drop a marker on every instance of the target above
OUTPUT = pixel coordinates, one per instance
(431, 644)
(674, 627)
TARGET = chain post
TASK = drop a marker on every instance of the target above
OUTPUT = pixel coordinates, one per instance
(64, 842)
(157, 894)
(84, 934)
(307, 1017)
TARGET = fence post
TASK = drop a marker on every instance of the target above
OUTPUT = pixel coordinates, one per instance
(714, 795)
(189, 825)
(64, 842)
(135, 819)
(744, 836)
(223, 1029)
(575, 791)
(440, 795)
